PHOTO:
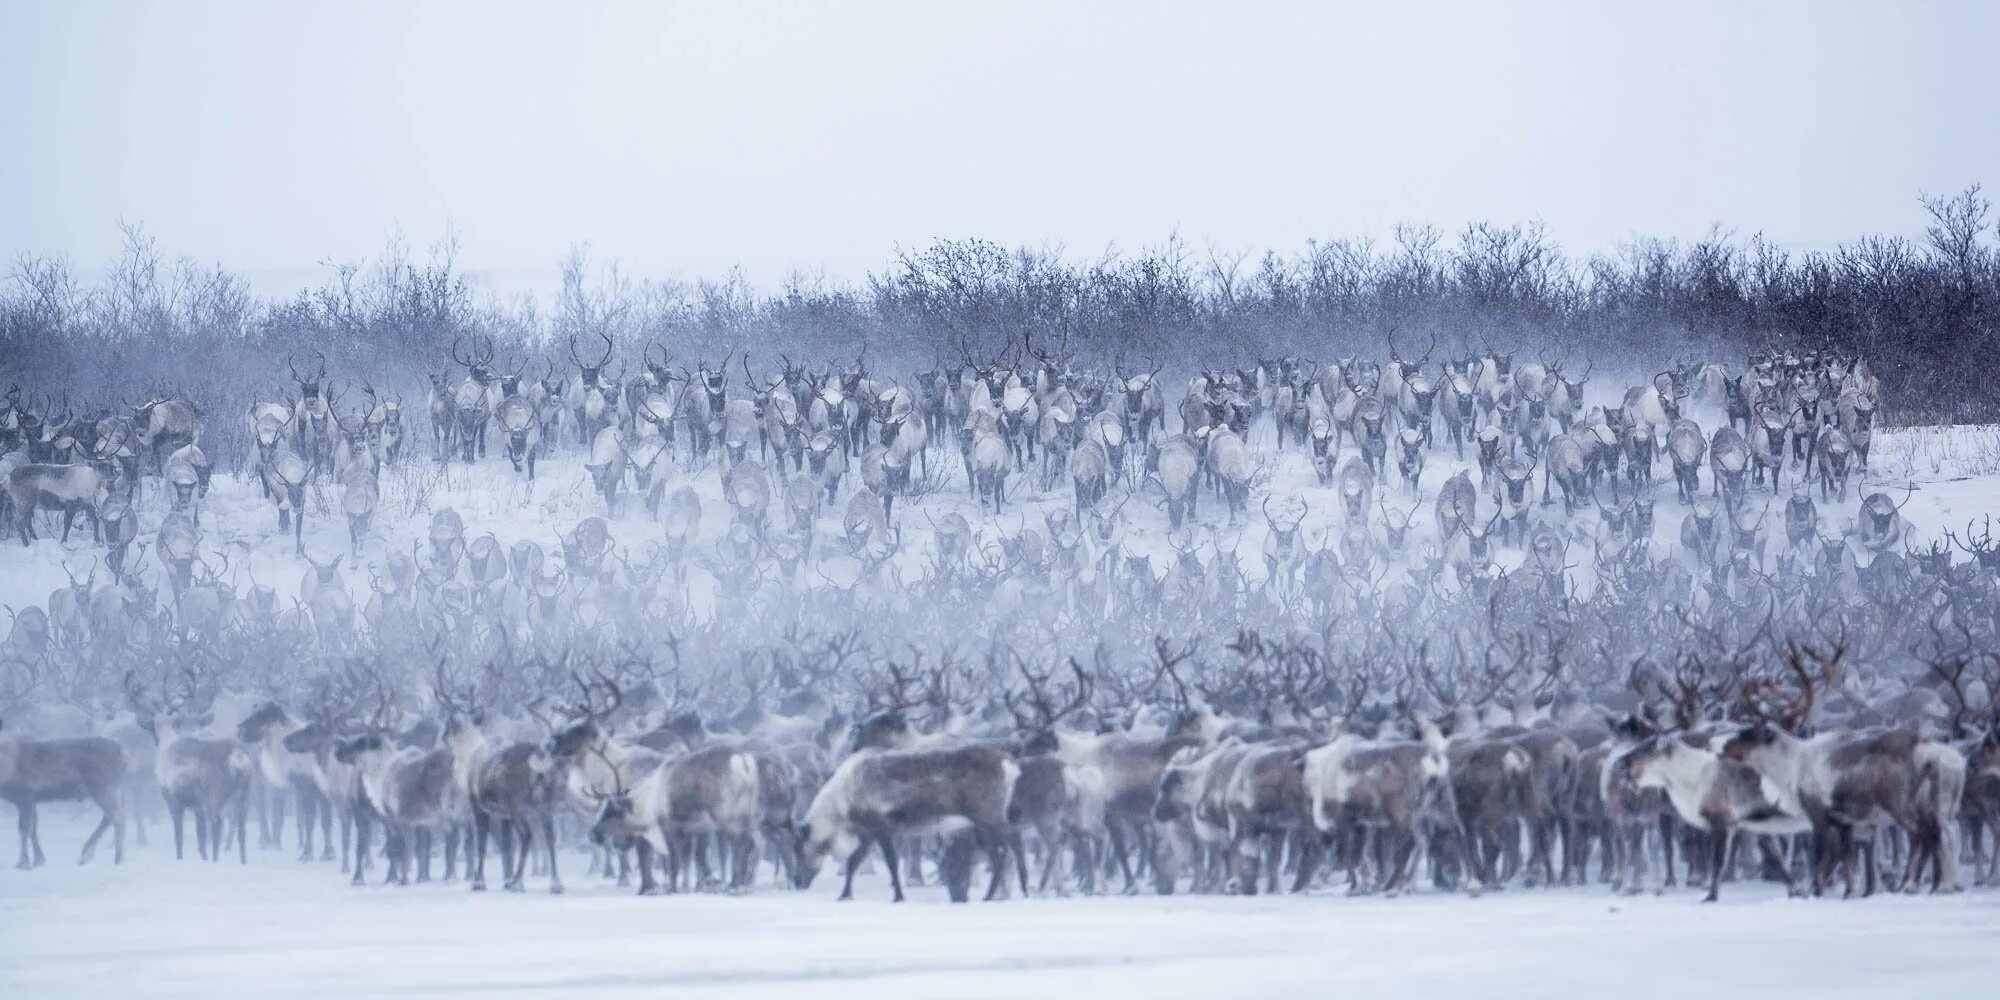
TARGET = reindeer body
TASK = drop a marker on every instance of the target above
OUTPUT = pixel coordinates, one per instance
(714, 790)
(210, 777)
(876, 796)
(74, 489)
(514, 785)
(37, 771)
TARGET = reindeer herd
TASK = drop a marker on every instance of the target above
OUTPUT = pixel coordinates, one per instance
(1116, 698)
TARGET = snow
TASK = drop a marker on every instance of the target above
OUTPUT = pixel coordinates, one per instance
(158, 928)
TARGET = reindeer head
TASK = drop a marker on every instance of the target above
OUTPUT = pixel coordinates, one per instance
(327, 574)
(591, 372)
(309, 386)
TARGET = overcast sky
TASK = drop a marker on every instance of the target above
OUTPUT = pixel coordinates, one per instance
(686, 137)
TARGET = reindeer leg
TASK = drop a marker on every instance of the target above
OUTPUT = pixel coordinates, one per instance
(995, 841)
(24, 816)
(270, 802)
(888, 845)
(346, 837)
(1869, 862)
(475, 864)
(853, 862)
(453, 838)
(1847, 849)
(517, 839)
(1124, 861)
(1918, 858)
(512, 871)
(395, 853)
(1309, 850)
(1274, 858)
(1020, 853)
(175, 810)
(325, 808)
(362, 814)
(647, 885)
(90, 844)
(549, 835)
(1668, 834)
(1051, 854)
(133, 811)
(1990, 810)
(913, 863)
(704, 878)
(207, 833)
(1720, 843)
(1402, 847)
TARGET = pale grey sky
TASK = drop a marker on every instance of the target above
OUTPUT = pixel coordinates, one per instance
(686, 137)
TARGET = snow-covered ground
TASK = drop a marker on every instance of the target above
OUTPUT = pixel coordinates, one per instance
(157, 928)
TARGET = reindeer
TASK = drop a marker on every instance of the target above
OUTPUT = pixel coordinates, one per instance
(606, 465)
(1685, 450)
(523, 428)
(876, 796)
(1193, 807)
(165, 425)
(587, 754)
(361, 493)
(471, 400)
(713, 790)
(37, 771)
(1062, 801)
(514, 785)
(1132, 764)
(1729, 464)
(1565, 395)
(1710, 793)
(382, 421)
(1856, 411)
(75, 489)
(417, 793)
(206, 775)
(1841, 782)
(1389, 789)
(989, 460)
(1835, 451)
(285, 478)
(1456, 404)
(590, 395)
(443, 409)
(312, 418)
(1145, 408)
(187, 473)
(1767, 452)
(269, 732)
(826, 463)
(1565, 463)
(1229, 469)
(1175, 464)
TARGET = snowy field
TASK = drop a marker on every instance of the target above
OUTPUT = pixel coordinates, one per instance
(155, 928)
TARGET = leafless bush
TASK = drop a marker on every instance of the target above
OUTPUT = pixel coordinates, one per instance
(1912, 308)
